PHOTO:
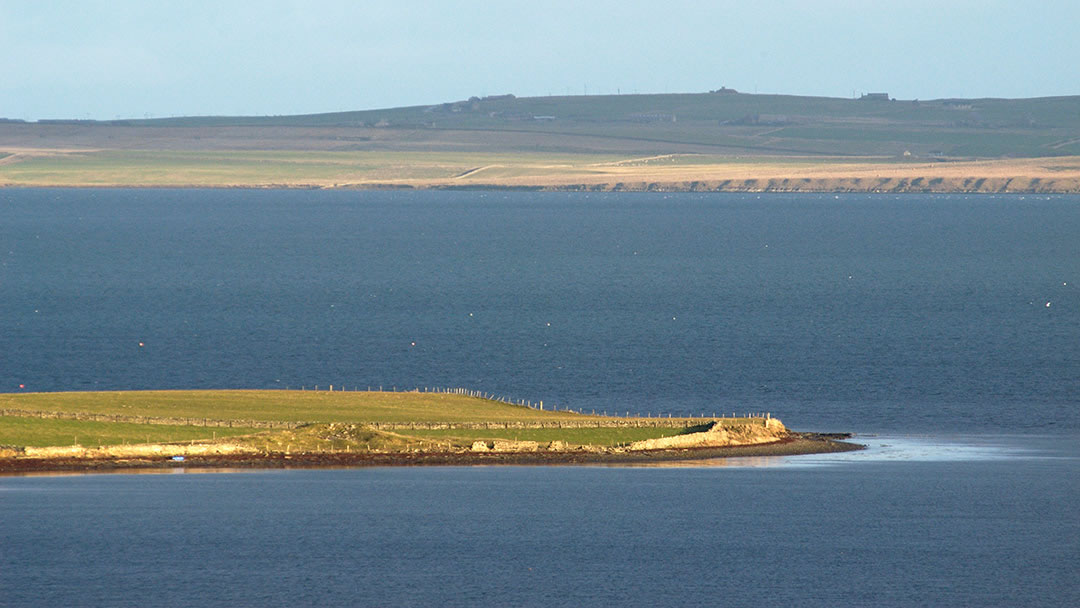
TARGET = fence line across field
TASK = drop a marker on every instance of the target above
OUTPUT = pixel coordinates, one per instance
(537, 405)
(628, 421)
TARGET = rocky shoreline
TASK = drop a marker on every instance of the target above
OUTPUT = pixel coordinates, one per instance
(842, 185)
(830, 185)
(795, 444)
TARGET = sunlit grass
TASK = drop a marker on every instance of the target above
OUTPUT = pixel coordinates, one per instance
(37, 432)
(290, 406)
(266, 167)
(606, 436)
(520, 169)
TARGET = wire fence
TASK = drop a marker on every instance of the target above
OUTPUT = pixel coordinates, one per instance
(594, 419)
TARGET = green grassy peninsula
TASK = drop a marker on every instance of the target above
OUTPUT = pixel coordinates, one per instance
(252, 428)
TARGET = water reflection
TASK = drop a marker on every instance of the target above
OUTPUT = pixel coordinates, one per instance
(906, 448)
(736, 462)
(135, 471)
(879, 448)
(898, 448)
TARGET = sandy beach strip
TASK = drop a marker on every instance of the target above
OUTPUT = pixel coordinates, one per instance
(797, 444)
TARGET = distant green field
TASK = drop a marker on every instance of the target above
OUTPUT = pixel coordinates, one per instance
(339, 420)
(434, 141)
(37, 432)
(290, 406)
(518, 112)
(584, 436)
(557, 142)
(266, 167)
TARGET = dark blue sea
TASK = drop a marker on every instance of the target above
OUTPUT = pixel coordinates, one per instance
(944, 330)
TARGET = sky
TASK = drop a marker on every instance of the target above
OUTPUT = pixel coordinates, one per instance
(148, 58)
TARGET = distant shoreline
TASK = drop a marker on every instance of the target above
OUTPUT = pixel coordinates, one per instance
(771, 186)
(796, 445)
(792, 186)
(720, 141)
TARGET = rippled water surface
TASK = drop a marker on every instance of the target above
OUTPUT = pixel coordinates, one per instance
(866, 313)
(928, 531)
(945, 330)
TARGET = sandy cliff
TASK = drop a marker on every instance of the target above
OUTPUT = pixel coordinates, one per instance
(720, 435)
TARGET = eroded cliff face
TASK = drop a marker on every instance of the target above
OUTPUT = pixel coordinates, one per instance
(767, 430)
(149, 450)
(994, 184)
(510, 445)
(719, 434)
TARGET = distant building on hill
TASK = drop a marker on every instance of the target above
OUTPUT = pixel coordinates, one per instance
(874, 97)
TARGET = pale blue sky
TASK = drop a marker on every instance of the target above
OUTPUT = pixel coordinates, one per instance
(119, 58)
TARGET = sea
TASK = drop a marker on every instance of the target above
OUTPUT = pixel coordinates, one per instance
(943, 330)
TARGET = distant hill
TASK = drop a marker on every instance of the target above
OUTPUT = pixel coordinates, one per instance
(725, 122)
(721, 140)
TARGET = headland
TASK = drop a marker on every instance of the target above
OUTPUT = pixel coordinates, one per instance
(721, 141)
(149, 430)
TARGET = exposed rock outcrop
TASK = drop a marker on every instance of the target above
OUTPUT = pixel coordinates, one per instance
(507, 445)
(766, 430)
(149, 450)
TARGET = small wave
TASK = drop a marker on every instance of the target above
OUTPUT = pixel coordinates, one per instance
(904, 448)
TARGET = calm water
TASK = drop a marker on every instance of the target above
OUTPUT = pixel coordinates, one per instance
(943, 533)
(863, 313)
(920, 322)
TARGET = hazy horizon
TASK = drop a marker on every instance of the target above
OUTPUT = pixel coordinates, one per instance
(126, 59)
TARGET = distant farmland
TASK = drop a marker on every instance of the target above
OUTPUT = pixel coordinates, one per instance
(707, 141)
